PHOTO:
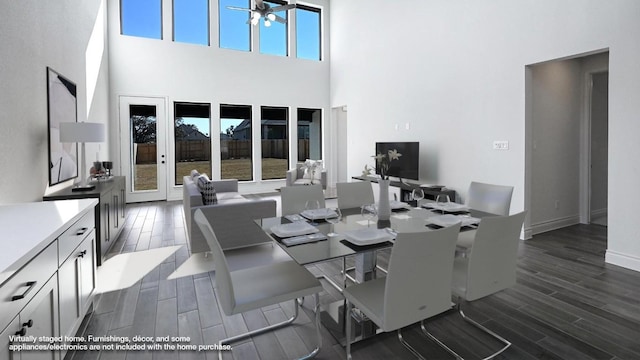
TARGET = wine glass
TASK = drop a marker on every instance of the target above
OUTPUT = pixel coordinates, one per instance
(442, 200)
(333, 216)
(417, 195)
(369, 212)
(311, 205)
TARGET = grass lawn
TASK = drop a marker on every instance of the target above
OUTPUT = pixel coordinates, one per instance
(146, 176)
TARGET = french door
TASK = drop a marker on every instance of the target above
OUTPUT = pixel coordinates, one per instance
(143, 125)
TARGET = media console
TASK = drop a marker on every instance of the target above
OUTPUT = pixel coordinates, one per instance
(407, 188)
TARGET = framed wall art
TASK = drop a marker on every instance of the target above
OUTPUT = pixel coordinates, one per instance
(62, 107)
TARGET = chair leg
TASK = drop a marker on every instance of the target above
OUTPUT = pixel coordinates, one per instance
(479, 326)
(437, 341)
(409, 347)
(312, 354)
(348, 309)
(316, 309)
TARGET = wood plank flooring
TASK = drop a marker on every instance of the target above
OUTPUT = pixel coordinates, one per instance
(567, 304)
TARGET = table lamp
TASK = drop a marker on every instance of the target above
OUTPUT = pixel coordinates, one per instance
(82, 132)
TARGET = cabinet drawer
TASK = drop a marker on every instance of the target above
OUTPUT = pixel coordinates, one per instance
(74, 235)
(26, 282)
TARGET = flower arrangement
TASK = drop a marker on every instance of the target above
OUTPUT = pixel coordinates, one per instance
(383, 161)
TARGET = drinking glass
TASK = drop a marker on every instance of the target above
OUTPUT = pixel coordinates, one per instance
(369, 212)
(333, 217)
(442, 200)
(312, 205)
(417, 195)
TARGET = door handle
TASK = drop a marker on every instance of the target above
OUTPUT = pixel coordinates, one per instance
(30, 285)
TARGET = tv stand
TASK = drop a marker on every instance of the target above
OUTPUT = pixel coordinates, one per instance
(406, 189)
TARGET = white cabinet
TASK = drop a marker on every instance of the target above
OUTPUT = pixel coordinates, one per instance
(76, 282)
(47, 272)
(38, 318)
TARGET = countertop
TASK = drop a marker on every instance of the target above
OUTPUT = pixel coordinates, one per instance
(28, 228)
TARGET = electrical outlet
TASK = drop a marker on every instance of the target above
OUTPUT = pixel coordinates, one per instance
(501, 145)
(557, 204)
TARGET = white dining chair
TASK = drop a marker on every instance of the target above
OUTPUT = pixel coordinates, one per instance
(490, 266)
(393, 302)
(256, 287)
(294, 198)
(494, 199)
(354, 194)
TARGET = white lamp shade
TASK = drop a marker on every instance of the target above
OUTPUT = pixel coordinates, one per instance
(72, 132)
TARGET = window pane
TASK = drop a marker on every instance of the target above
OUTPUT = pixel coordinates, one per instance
(193, 141)
(273, 38)
(236, 142)
(234, 30)
(191, 21)
(275, 142)
(307, 33)
(143, 147)
(141, 18)
(309, 134)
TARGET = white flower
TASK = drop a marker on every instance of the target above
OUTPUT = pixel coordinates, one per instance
(383, 161)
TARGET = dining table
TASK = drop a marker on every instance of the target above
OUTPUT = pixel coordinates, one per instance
(337, 242)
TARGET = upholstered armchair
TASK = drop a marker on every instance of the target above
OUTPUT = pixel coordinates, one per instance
(306, 174)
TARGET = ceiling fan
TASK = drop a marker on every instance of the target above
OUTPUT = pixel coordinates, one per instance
(264, 10)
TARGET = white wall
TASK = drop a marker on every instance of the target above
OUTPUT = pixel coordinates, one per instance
(34, 35)
(456, 72)
(185, 72)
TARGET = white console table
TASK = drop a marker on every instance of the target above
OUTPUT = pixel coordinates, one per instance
(47, 270)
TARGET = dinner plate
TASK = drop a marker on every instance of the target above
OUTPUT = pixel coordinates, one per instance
(293, 229)
(449, 219)
(317, 214)
(397, 205)
(368, 236)
(448, 207)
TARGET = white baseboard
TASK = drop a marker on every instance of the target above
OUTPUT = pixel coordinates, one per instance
(625, 260)
(599, 212)
(551, 225)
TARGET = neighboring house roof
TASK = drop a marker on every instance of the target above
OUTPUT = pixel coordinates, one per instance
(191, 133)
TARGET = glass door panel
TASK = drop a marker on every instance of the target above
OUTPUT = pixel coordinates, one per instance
(143, 160)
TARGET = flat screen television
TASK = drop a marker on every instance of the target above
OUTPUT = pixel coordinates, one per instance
(408, 165)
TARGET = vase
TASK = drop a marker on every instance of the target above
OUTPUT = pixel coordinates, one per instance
(384, 208)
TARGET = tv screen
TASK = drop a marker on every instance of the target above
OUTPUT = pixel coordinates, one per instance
(408, 165)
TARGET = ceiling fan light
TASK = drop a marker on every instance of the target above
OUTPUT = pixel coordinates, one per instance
(267, 23)
(256, 16)
(271, 16)
(254, 21)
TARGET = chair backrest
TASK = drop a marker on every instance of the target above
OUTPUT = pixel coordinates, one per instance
(495, 199)
(226, 296)
(354, 194)
(492, 262)
(418, 283)
(294, 198)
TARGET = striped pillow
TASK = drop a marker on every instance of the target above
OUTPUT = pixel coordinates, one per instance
(207, 190)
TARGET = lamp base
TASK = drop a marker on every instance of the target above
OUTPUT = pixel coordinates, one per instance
(83, 187)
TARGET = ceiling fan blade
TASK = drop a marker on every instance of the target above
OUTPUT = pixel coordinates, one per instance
(280, 19)
(237, 8)
(260, 4)
(283, 7)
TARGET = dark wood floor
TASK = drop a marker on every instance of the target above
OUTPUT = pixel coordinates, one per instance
(567, 304)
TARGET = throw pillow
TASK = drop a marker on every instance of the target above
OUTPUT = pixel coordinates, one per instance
(194, 174)
(207, 190)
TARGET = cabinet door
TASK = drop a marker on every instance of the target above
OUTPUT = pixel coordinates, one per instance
(105, 223)
(68, 284)
(10, 330)
(42, 314)
(87, 274)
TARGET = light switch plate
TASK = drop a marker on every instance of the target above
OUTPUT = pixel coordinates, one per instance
(501, 145)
